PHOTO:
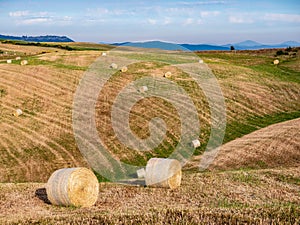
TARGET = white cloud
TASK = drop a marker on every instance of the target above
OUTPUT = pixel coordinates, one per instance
(152, 21)
(167, 21)
(209, 13)
(188, 21)
(204, 3)
(292, 18)
(19, 13)
(35, 21)
(241, 19)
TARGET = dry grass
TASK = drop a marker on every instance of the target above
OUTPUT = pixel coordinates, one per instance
(257, 197)
(271, 147)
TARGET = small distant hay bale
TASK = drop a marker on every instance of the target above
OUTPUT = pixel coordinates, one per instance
(164, 173)
(18, 58)
(143, 89)
(276, 62)
(18, 112)
(9, 61)
(114, 66)
(104, 54)
(168, 75)
(24, 62)
(73, 187)
(124, 69)
(196, 143)
(201, 61)
(141, 173)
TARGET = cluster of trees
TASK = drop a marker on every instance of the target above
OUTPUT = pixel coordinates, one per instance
(287, 51)
(66, 47)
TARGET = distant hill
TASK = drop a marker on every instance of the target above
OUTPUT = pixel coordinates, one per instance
(245, 45)
(47, 38)
(252, 45)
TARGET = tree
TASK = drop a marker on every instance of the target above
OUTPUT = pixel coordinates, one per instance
(232, 48)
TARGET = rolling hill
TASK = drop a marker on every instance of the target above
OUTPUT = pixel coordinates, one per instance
(245, 45)
(252, 179)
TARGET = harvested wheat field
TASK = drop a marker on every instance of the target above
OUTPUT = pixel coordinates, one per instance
(254, 179)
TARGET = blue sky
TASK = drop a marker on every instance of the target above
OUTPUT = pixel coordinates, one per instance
(180, 21)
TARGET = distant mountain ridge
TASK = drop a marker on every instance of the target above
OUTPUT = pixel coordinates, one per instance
(245, 45)
(46, 38)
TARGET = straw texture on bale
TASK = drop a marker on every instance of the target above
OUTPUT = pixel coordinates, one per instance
(24, 62)
(143, 89)
(276, 62)
(9, 61)
(124, 69)
(141, 173)
(73, 187)
(114, 66)
(196, 143)
(168, 75)
(18, 112)
(164, 173)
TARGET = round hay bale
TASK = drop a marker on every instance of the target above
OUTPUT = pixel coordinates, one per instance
(124, 69)
(141, 173)
(143, 89)
(73, 187)
(104, 54)
(18, 112)
(201, 61)
(276, 62)
(9, 61)
(168, 75)
(163, 173)
(24, 62)
(18, 58)
(114, 66)
(196, 143)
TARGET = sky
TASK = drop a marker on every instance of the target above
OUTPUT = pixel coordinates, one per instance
(178, 21)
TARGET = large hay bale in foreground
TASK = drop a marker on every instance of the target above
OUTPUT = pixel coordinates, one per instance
(73, 187)
(163, 173)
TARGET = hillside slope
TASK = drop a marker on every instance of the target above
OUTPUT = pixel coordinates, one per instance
(256, 92)
(276, 146)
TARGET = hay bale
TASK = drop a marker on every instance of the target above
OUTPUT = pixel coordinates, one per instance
(141, 173)
(9, 61)
(124, 69)
(104, 54)
(73, 187)
(18, 58)
(143, 89)
(276, 62)
(24, 62)
(163, 173)
(114, 66)
(196, 143)
(18, 112)
(168, 75)
(201, 61)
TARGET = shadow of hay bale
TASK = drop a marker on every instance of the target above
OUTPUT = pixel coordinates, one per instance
(42, 195)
